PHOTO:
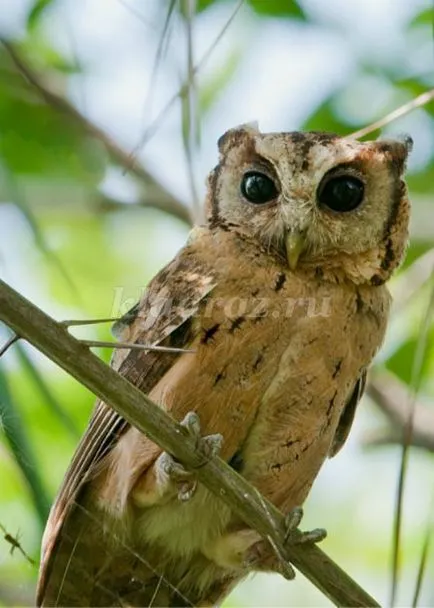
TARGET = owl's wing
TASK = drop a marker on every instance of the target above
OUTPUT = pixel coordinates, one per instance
(163, 317)
(347, 416)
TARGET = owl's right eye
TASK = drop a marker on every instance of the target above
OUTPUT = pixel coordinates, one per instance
(258, 188)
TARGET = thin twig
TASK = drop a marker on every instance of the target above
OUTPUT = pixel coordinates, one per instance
(8, 344)
(16, 545)
(50, 338)
(137, 14)
(406, 108)
(422, 563)
(157, 196)
(391, 395)
(15, 192)
(152, 129)
(408, 283)
(408, 432)
(82, 322)
(147, 106)
(191, 118)
(134, 346)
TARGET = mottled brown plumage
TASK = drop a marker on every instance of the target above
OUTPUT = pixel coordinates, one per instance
(284, 304)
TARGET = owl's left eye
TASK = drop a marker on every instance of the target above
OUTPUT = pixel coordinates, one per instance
(341, 193)
(258, 188)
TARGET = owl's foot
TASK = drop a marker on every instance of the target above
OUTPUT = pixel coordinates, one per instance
(294, 536)
(263, 557)
(173, 474)
(168, 478)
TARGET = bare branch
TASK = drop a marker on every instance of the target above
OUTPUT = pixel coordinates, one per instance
(54, 341)
(391, 396)
(103, 203)
(83, 322)
(421, 571)
(406, 108)
(134, 346)
(12, 340)
(415, 382)
(154, 126)
(156, 195)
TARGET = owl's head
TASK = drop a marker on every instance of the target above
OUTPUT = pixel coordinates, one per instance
(317, 200)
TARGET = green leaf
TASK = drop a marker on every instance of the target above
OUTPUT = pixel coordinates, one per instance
(278, 8)
(415, 251)
(15, 433)
(215, 83)
(421, 181)
(265, 8)
(15, 195)
(38, 140)
(36, 12)
(44, 55)
(401, 362)
(324, 119)
(426, 17)
(202, 5)
(49, 399)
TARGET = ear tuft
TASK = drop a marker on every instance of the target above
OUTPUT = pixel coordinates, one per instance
(398, 148)
(235, 135)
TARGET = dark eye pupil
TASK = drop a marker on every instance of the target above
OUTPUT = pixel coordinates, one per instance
(258, 188)
(342, 193)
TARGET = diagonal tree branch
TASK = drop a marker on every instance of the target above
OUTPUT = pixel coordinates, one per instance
(156, 195)
(53, 340)
(392, 397)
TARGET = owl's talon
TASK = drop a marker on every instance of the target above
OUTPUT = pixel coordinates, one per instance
(210, 445)
(257, 558)
(174, 469)
(184, 480)
(294, 536)
(187, 491)
(292, 521)
(176, 475)
(286, 570)
(266, 556)
(313, 537)
(192, 423)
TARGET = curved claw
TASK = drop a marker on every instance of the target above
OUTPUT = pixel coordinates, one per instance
(209, 446)
(187, 490)
(295, 536)
(314, 536)
(177, 475)
(292, 521)
(286, 570)
(192, 423)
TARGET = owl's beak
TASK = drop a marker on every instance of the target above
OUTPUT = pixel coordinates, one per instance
(295, 243)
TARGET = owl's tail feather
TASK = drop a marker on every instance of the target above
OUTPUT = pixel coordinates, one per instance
(91, 567)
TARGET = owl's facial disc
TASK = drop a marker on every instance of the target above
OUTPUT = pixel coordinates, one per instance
(314, 200)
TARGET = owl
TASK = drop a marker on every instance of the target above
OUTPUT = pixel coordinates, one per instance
(280, 303)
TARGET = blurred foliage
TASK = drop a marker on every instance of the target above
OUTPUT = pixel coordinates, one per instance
(77, 246)
(267, 8)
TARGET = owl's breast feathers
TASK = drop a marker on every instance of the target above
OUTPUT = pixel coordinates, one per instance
(279, 355)
(276, 358)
